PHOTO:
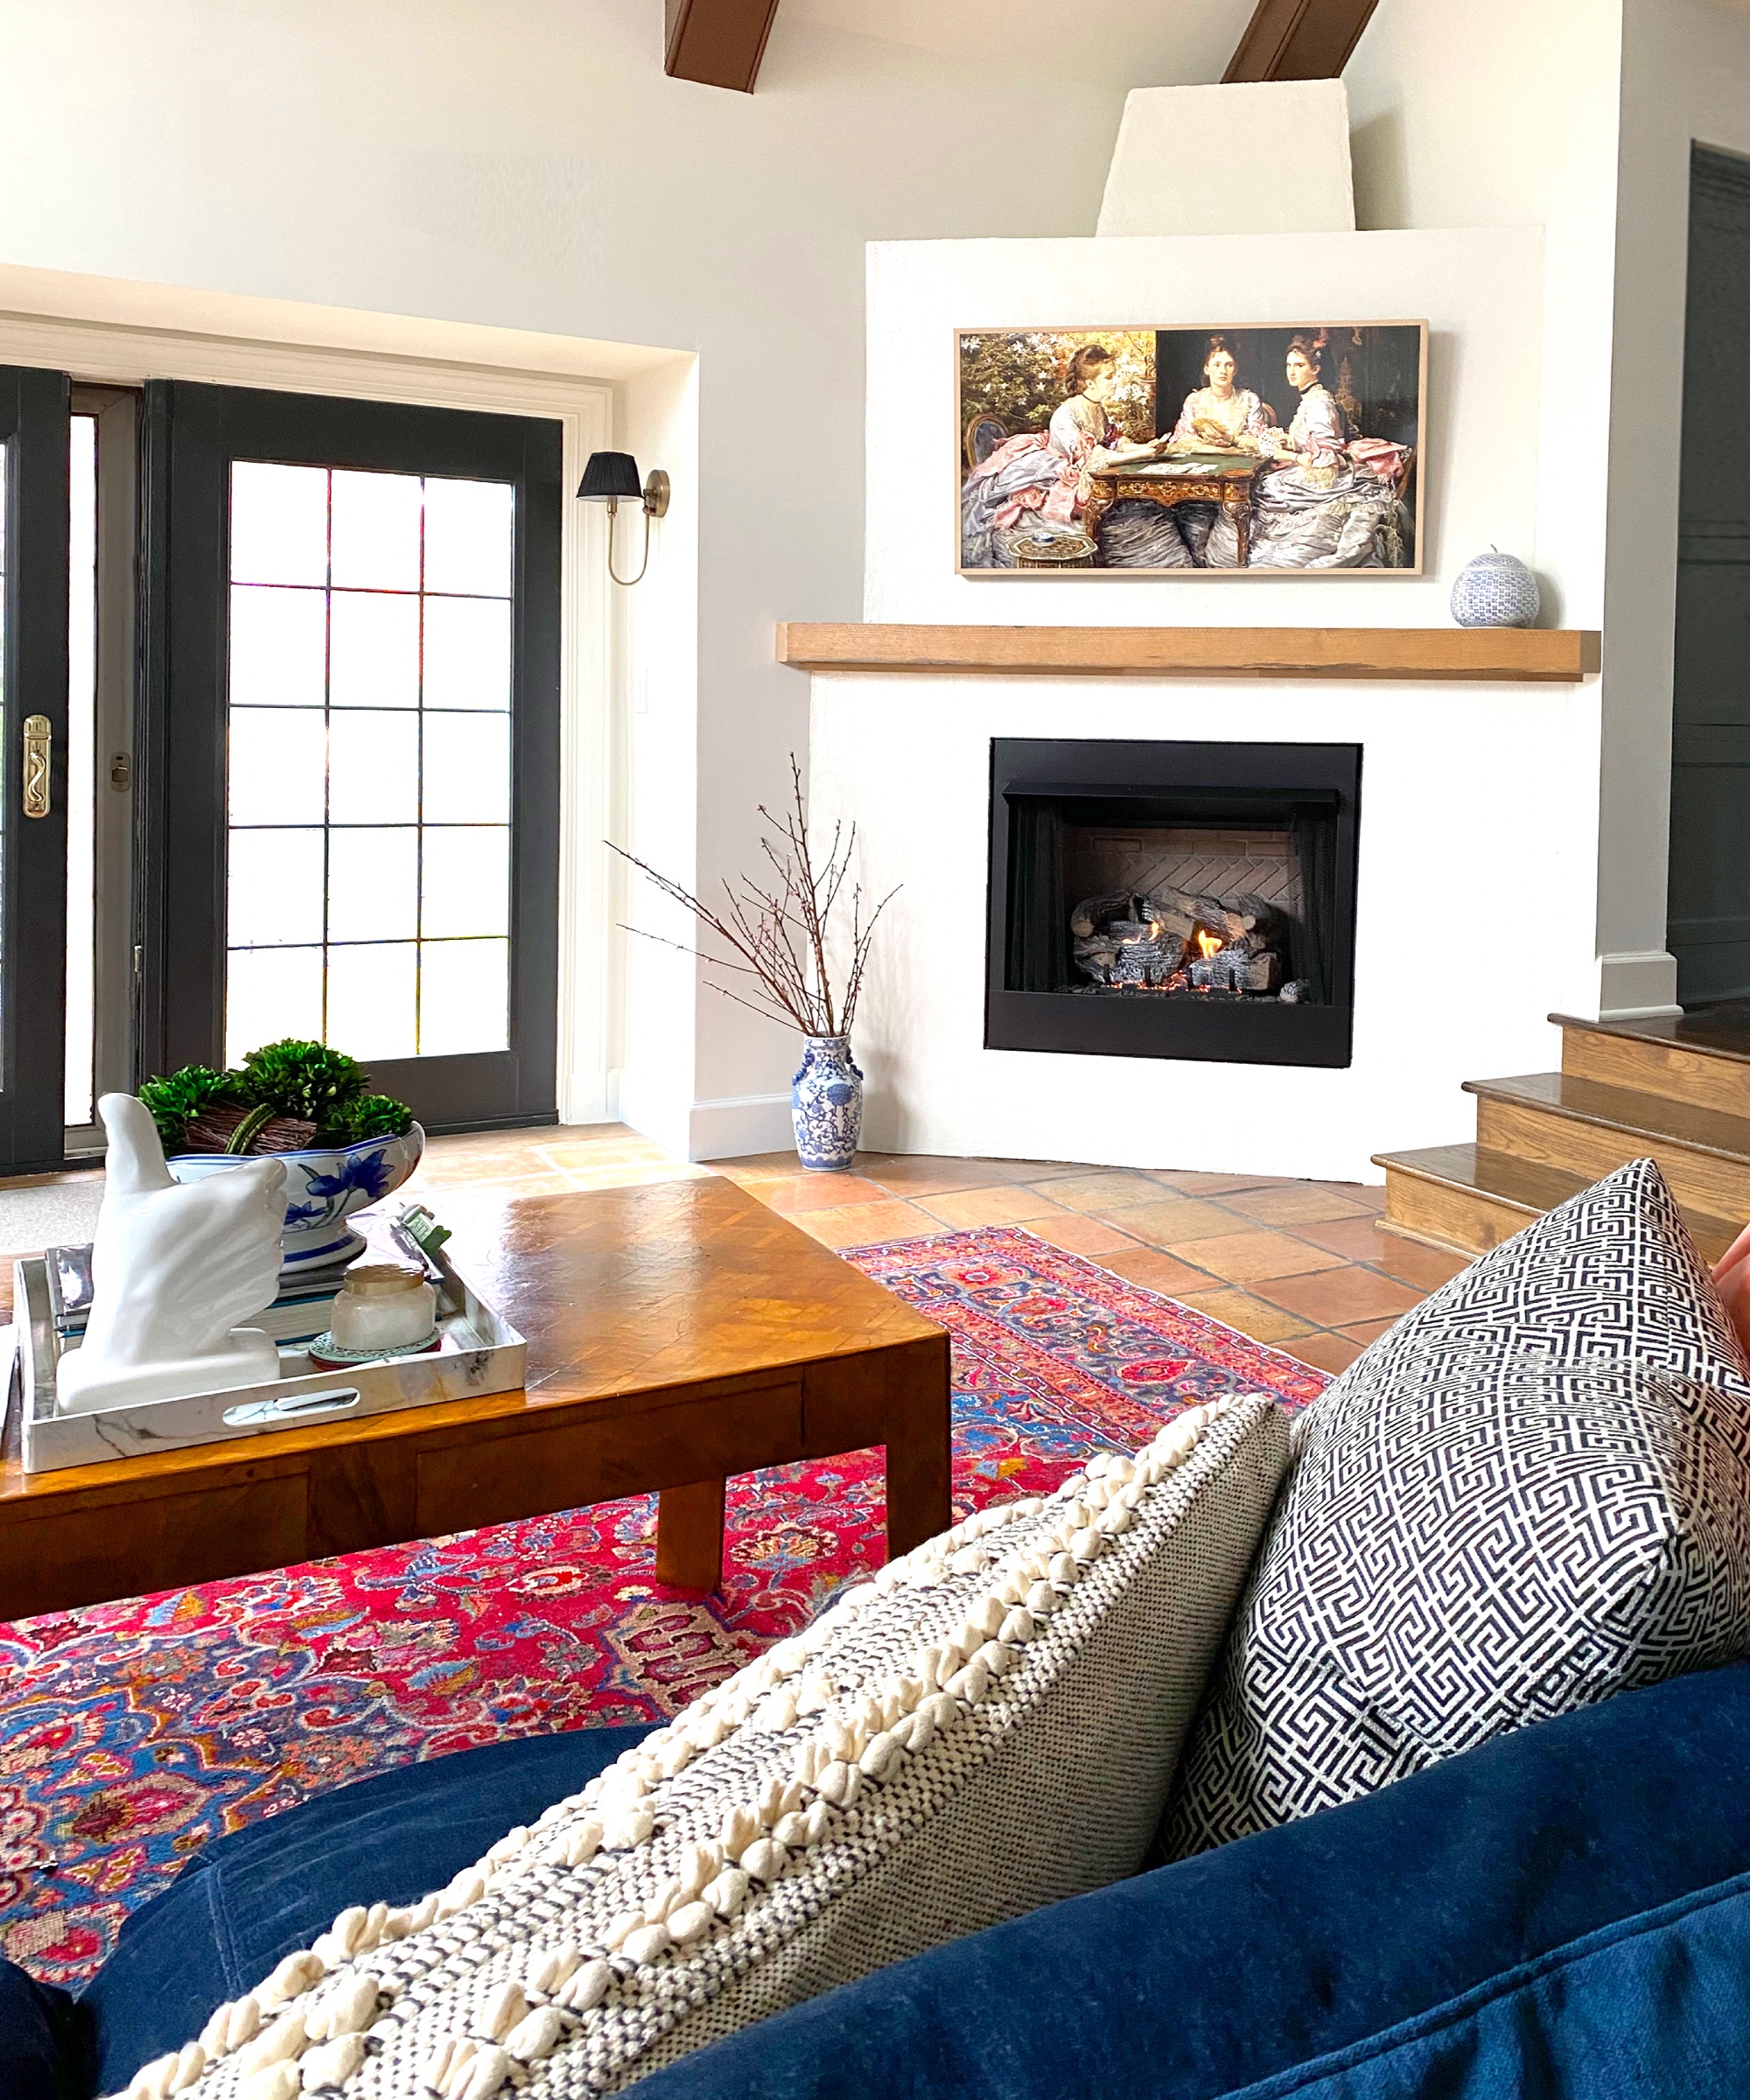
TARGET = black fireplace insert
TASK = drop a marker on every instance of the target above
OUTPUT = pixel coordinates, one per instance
(1173, 900)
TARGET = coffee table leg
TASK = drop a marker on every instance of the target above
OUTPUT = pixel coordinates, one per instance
(689, 1536)
(919, 1456)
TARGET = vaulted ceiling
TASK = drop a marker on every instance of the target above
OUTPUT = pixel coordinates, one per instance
(1114, 43)
(1109, 43)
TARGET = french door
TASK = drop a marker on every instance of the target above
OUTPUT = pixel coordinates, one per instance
(347, 742)
(34, 769)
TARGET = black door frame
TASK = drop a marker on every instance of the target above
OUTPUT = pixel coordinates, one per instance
(33, 430)
(190, 434)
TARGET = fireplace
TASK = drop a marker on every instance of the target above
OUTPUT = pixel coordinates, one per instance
(1173, 900)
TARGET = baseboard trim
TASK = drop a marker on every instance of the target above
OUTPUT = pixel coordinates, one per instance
(1639, 985)
(737, 1124)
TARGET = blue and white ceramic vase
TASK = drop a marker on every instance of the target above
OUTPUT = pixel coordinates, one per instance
(826, 1104)
(1496, 590)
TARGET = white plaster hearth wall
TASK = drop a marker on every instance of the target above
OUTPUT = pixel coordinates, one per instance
(1478, 848)
(1473, 919)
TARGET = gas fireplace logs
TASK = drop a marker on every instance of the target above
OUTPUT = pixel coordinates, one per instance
(1171, 940)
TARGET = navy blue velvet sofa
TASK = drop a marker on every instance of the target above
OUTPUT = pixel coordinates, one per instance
(1565, 1911)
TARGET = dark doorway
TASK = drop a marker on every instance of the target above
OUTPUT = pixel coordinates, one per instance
(1709, 903)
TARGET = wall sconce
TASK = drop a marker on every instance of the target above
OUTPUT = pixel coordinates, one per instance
(611, 477)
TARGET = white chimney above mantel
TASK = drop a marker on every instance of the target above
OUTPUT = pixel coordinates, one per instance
(1265, 157)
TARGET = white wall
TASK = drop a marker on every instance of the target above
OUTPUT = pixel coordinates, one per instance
(1515, 118)
(1579, 113)
(1473, 799)
(1481, 297)
(529, 166)
(1508, 118)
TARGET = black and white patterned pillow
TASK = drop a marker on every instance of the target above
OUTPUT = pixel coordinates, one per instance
(1532, 1492)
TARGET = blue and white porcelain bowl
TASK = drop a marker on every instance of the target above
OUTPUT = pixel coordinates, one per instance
(323, 1188)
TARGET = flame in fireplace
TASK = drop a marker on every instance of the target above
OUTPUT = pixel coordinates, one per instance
(1208, 943)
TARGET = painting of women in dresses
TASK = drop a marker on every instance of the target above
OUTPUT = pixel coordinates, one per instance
(1180, 452)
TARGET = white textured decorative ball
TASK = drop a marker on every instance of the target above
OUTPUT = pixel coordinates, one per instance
(1495, 590)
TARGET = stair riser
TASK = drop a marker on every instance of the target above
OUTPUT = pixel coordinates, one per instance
(1701, 1180)
(1651, 1067)
(1460, 1219)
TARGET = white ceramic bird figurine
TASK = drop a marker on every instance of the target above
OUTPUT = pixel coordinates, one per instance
(174, 1267)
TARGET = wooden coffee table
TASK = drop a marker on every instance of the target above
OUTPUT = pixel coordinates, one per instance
(678, 1333)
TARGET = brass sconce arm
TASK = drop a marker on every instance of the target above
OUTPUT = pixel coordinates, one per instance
(612, 478)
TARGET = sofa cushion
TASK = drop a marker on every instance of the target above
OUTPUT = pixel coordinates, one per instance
(989, 1724)
(1532, 1492)
(245, 1901)
(38, 2057)
(1651, 2009)
(1405, 1916)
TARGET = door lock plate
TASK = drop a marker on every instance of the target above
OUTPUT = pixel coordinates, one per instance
(38, 734)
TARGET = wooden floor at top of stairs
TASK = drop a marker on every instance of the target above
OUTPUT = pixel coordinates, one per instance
(1634, 1114)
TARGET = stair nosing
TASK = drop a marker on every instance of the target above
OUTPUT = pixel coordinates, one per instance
(1498, 1090)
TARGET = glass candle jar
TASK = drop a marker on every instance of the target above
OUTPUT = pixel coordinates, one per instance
(384, 1306)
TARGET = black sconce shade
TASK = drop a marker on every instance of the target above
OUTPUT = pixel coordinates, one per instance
(609, 475)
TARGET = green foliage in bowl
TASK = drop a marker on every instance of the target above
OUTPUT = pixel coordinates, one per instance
(297, 1083)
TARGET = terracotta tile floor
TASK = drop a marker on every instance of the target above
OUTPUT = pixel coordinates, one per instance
(1298, 1263)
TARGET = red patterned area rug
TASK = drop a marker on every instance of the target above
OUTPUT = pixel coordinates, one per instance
(132, 1733)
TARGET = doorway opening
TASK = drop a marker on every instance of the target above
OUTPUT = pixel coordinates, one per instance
(1708, 906)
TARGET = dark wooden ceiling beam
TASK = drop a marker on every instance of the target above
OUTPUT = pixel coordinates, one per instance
(1299, 39)
(718, 43)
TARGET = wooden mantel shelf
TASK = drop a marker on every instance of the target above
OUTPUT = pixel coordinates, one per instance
(1493, 656)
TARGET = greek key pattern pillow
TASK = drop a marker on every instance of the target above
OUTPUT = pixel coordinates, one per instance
(1532, 1492)
(989, 1723)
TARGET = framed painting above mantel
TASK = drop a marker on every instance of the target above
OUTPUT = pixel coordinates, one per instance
(1292, 450)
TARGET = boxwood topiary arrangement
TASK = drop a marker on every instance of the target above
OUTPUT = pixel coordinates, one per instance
(288, 1097)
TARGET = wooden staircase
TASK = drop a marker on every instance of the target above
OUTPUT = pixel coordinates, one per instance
(1677, 1091)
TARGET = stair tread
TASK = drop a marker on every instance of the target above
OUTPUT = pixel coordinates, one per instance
(1721, 1031)
(1478, 1170)
(1624, 1108)
(1525, 1186)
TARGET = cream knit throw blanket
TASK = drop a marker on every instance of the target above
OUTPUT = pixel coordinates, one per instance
(988, 1724)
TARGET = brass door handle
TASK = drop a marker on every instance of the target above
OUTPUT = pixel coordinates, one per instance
(39, 733)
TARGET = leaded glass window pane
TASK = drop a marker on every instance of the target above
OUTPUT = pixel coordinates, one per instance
(369, 760)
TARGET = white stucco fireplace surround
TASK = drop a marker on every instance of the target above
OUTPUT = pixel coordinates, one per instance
(1477, 865)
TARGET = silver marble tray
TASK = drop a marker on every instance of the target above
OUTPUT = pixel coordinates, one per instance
(478, 1353)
